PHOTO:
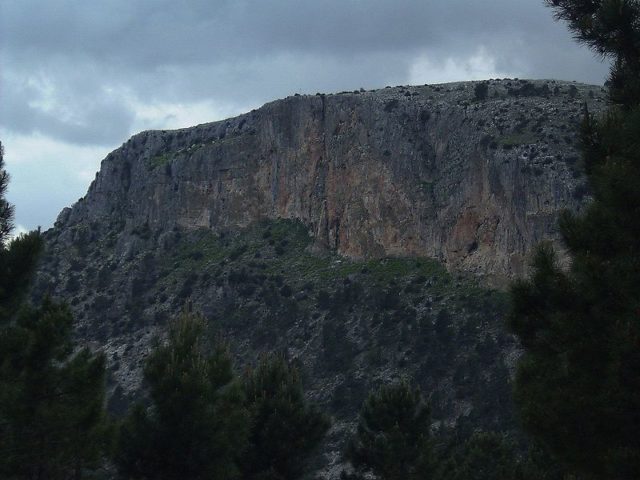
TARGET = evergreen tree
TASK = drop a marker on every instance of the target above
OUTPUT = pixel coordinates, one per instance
(484, 456)
(6, 209)
(492, 455)
(196, 425)
(578, 382)
(18, 257)
(52, 416)
(285, 429)
(52, 423)
(392, 436)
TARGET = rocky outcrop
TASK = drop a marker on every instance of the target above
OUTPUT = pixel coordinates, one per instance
(281, 225)
(427, 171)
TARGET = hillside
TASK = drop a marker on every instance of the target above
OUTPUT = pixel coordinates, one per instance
(357, 232)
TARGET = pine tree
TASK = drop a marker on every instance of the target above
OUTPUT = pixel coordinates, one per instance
(6, 209)
(392, 437)
(196, 424)
(483, 456)
(52, 423)
(578, 382)
(51, 400)
(18, 257)
(285, 429)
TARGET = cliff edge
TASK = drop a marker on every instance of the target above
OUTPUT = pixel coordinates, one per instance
(408, 171)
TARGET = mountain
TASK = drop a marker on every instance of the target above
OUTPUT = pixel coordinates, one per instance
(360, 233)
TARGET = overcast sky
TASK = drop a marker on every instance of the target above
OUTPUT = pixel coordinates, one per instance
(78, 77)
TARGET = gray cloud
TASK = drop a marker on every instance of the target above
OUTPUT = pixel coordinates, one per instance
(84, 119)
(192, 50)
(159, 32)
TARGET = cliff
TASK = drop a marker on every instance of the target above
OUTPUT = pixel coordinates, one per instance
(356, 232)
(420, 171)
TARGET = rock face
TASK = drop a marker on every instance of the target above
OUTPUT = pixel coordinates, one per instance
(317, 226)
(427, 171)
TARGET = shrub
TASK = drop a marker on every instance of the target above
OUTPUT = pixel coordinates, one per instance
(481, 90)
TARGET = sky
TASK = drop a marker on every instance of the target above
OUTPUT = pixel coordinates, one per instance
(78, 78)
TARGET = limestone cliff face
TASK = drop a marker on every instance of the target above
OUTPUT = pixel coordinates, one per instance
(249, 221)
(426, 171)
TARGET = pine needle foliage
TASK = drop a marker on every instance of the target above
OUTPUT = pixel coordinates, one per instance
(578, 382)
(285, 428)
(392, 436)
(195, 425)
(52, 419)
(53, 423)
